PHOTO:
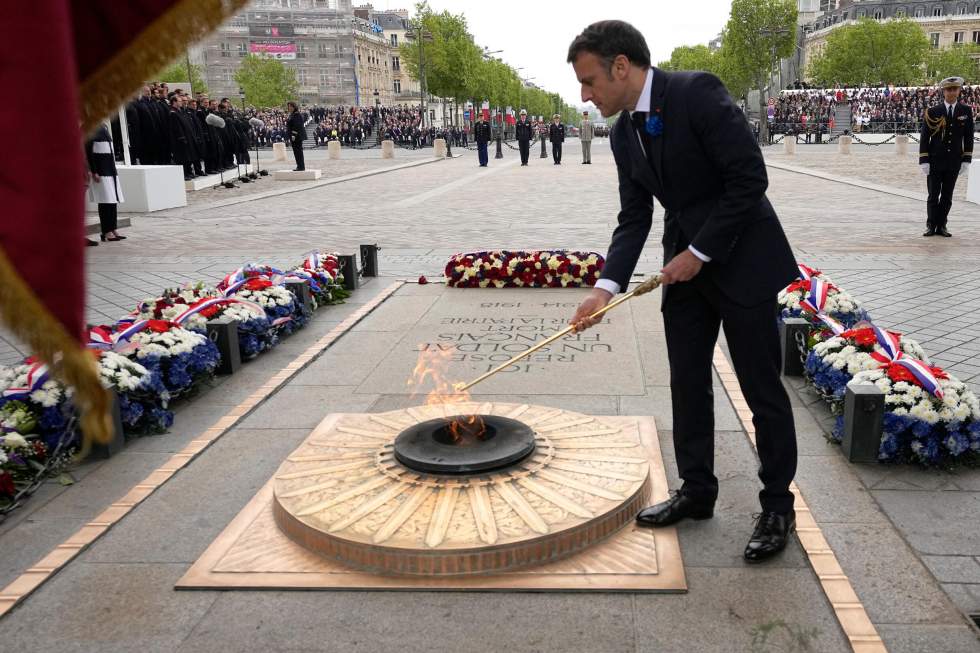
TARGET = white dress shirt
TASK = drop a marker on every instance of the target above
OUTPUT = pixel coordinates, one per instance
(643, 104)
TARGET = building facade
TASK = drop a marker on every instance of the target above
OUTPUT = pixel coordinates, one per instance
(398, 32)
(944, 22)
(340, 58)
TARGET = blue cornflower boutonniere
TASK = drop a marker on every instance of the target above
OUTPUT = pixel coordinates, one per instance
(655, 125)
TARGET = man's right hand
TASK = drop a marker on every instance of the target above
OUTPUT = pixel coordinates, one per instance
(96, 178)
(595, 300)
(924, 167)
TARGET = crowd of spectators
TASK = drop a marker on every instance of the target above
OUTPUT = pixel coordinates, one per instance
(888, 109)
(804, 112)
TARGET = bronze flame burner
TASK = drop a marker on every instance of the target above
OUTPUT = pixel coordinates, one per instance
(477, 444)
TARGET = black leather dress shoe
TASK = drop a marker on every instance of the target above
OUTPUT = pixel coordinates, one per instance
(674, 509)
(770, 535)
(929, 232)
(942, 232)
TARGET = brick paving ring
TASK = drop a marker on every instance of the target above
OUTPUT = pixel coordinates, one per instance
(563, 482)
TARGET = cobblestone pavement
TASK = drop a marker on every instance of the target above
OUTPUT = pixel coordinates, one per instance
(867, 240)
(878, 164)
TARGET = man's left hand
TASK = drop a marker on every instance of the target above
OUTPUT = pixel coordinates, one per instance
(964, 168)
(683, 267)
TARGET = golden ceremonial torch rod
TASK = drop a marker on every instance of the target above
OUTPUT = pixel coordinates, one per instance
(650, 284)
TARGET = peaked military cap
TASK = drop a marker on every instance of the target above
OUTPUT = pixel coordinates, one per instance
(952, 82)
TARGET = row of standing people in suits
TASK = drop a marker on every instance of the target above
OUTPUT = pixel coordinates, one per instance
(202, 135)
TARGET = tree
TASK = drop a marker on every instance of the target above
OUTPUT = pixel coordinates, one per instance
(177, 72)
(872, 53)
(957, 61)
(266, 82)
(758, 34)
(691, 57)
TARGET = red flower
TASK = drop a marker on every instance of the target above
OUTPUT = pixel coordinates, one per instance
(160, 326)
(257, 284)
(40, 450)
(7, 484)
(898, 373)
(863, 337)
(423, 280)
(210, 311)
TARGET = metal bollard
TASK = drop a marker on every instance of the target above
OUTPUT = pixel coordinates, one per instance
(789, 329)
(114, 445)
(369, 259)
(348, 266)
(544, 151)
(301, 291)
(223, 332)
(864, 412)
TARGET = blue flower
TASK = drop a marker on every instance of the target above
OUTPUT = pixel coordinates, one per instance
(956, 443)
(890, 447)
(655, 125)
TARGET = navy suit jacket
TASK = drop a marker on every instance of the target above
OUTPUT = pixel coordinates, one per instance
(707, 171)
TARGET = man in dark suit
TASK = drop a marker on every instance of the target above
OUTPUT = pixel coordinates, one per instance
(556, 134)
(945, 152)
(680, 139)
(297, 134)
(482, 135)
(525, 134)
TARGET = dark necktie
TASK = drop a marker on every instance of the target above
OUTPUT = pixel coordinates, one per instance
(949, 114)
(640, 124)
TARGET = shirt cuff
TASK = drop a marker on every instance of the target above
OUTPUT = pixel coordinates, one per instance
(706, 259)
(608, 285)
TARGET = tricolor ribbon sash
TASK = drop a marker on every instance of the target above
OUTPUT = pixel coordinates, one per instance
(37, 375)
(807, 273)
(891, 345)
(816, 300)
(205, 303)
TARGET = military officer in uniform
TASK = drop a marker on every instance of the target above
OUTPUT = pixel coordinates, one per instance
(945, 151)
(556, 134)
(525, 134)
(585, 134)
(482, 136)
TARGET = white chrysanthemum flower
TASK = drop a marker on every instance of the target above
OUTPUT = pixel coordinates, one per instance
(14, 441)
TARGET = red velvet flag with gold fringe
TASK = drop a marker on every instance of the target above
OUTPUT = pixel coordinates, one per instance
(64, 66)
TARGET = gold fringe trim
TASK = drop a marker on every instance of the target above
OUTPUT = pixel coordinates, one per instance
(30, 321)
(157, 45)
(934, 125)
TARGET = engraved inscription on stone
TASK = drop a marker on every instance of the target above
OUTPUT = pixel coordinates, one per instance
(477, 330)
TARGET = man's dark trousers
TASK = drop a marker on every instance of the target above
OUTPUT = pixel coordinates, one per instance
(481, 149)
(556, 152)
(693, 312)
(298, 153)
(940, 185)
(525, 147)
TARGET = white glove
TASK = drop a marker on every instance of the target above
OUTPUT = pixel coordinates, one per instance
(924, 167)
(964, 168)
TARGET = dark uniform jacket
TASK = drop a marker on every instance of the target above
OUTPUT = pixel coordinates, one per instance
(482, 132)
(524, 130)
(297, 132)
(945, 146)
(101, 163)
(181, 138)
(556, 133)
(713, 190)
